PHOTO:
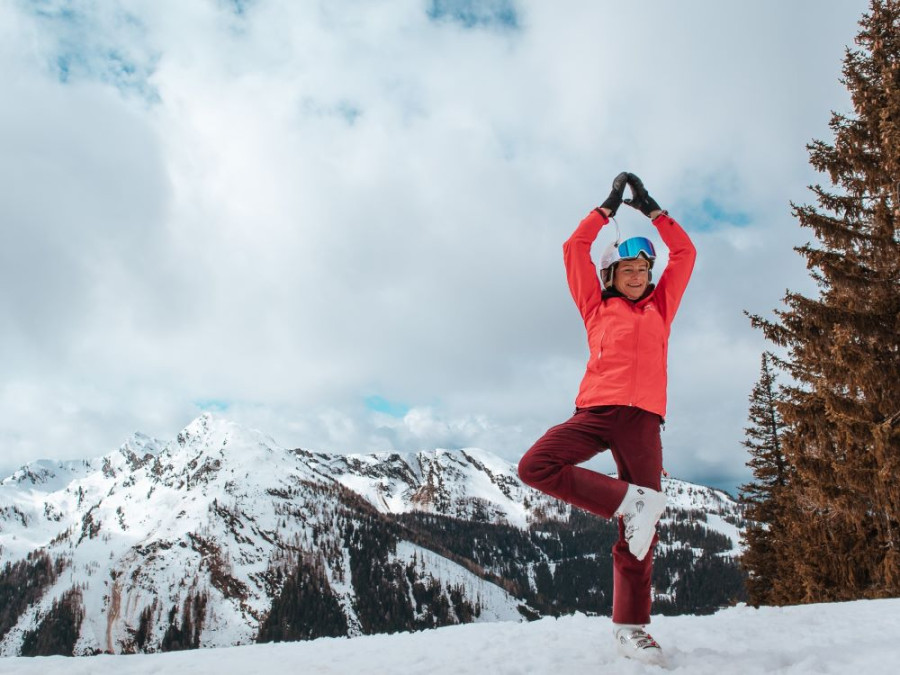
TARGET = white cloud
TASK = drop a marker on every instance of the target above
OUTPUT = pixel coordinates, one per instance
(295, 206)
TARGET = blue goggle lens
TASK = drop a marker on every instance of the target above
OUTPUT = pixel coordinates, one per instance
(634, 247)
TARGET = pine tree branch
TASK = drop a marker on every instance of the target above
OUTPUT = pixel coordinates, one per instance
(893, 420)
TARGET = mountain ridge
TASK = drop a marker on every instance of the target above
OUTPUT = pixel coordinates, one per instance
(192, 542)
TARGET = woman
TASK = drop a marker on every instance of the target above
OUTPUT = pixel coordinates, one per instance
(621, 403)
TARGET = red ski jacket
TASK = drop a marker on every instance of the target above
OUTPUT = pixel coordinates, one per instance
(629, 341)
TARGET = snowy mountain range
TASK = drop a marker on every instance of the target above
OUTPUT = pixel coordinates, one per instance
(222, 537)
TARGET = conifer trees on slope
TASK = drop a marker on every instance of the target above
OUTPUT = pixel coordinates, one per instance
(766, 497)
(842, 409)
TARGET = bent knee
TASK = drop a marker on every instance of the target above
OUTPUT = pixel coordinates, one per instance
(526, 470)
(535, 469)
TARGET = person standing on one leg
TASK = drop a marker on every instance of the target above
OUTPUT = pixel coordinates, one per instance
(621, 403)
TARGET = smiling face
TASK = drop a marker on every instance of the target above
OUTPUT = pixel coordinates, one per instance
(631, 278)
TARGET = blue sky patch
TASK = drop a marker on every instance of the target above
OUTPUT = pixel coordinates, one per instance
(709, 214)
(86, 48)
(212, 405)
(239, 7)
(64, 66)
(344, 110)
(476, 13)
(348, 111)
(382, 405)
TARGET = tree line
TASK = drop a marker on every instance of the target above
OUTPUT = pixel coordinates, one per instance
(824, 417)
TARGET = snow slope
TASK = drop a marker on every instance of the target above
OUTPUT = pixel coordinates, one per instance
(470, 483)
(860, 637)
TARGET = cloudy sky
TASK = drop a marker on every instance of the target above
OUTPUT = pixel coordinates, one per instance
(340, 221)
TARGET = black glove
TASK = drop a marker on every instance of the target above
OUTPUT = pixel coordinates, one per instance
(614, 201)
(640, 199)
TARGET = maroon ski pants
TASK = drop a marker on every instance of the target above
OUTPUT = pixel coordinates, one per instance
(551, 466)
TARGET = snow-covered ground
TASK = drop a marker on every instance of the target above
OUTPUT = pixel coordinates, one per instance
(856, 637)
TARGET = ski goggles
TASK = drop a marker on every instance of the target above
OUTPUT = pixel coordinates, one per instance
(633, 248)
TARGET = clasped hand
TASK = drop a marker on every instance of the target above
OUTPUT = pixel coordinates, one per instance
(640, 198)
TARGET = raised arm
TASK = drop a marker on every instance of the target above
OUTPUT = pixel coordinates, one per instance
(682, 253)
(584, 284)
(580, 269)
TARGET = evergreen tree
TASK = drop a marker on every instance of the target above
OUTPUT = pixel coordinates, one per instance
(22, 584)
(766, 498)
(59, 628)
(306, 608)
(842, 423)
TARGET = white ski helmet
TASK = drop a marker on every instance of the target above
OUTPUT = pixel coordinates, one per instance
(630, 249)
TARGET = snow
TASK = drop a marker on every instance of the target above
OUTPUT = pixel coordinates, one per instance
(719, 524)
(811, 639)
(498, 605)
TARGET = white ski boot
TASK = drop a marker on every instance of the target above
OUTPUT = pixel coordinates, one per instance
(634, 642)
(640, 510)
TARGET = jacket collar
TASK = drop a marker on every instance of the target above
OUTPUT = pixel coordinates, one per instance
(614, 293)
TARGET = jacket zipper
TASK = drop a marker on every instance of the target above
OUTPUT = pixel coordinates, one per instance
(634, 358)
